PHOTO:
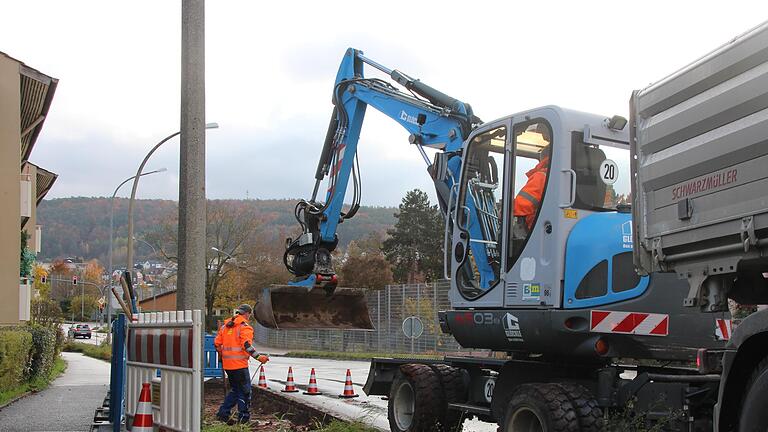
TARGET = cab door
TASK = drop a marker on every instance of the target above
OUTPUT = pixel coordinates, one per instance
(478, 250)
(533, 214)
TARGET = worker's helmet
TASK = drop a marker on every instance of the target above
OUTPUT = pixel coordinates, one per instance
(244, 308)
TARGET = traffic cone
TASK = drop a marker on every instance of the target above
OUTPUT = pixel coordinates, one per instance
(142, 420)
(349, 392)
(312, 389)
(262, 379)
(290, 386)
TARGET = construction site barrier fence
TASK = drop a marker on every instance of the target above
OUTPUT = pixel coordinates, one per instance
(172, 343)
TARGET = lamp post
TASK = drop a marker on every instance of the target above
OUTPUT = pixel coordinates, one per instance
(129, 265)
(111, 231)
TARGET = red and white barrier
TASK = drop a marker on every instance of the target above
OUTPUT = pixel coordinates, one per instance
(723, 329)
(637, 323)
(171, 342)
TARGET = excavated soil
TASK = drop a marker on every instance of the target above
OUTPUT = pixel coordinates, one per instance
(269, 411)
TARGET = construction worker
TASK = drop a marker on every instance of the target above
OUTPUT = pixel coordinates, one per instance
(234, 342)
(528, 200)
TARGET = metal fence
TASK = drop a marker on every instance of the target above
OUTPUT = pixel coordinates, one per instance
(388, 307)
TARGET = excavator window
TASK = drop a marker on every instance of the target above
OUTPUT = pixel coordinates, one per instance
(533, 152)
(602, 174)
(480, 215)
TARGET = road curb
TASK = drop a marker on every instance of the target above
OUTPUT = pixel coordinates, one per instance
(19, 397)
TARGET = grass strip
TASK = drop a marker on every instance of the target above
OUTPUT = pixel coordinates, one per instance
(335, 355)
(36, 385)
(101, 352)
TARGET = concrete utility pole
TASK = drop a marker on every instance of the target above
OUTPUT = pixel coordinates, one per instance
(192, 213)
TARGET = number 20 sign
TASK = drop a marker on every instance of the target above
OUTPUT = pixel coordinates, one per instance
(608, 172)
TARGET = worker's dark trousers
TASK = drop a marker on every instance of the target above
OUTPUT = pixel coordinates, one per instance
(239, 393)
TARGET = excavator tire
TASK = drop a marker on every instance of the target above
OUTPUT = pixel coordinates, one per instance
(415, 400)
(590, 415)
(540, 407)
(455, 390)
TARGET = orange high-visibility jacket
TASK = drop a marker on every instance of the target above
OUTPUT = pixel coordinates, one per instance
(230, 342)
(528, 200)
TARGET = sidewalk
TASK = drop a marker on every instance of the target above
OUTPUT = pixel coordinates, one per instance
(67, 405)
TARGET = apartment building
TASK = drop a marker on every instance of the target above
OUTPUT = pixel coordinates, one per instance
(25, 98)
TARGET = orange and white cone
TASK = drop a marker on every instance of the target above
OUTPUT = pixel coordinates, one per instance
(349, 392)
(142, 420)
(312, 389)
(262, 379)
(290, 385)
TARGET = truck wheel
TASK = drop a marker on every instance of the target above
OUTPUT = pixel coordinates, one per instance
(540, 408)
(452, 380)
(753, 416)
(415, 400)
(589, 415)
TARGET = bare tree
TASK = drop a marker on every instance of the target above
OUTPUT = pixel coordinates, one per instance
(229, 228)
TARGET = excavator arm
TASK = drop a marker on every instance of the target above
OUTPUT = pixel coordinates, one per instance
(432, 119)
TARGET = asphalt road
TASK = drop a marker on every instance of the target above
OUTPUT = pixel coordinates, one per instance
(330, 376)
(96, 338)
(67, 405)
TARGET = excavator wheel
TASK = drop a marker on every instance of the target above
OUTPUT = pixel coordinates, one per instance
(415, 400)
(590, 415)
(455, 390)
(540, 408)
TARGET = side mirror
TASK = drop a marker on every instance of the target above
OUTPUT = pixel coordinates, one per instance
(439, 168)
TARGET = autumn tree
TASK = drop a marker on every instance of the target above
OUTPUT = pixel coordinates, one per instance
(61, 273)
(365, 265)
(415, 244)
(228, 229)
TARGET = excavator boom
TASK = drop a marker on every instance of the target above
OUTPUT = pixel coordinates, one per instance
(432, 118)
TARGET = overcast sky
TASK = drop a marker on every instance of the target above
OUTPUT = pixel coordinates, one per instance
(271, 66)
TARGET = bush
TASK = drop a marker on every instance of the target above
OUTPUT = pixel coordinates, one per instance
(44, 350)
(15, 347)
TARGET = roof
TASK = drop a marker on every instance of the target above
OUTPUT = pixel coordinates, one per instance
(37, 91)
(44, 181)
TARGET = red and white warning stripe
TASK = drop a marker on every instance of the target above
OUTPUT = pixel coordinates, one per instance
(723, 329)
(637, 323)
(170, 347)
(339, 159)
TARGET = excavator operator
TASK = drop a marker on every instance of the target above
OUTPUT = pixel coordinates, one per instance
(234, 344)
(528, 200)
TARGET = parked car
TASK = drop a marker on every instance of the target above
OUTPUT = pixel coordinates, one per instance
(79, 330)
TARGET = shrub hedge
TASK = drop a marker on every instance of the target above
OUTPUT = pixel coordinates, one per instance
(15, 348)
(28, 353)
(44, 350)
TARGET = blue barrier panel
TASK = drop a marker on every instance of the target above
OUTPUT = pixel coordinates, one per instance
(211, 361)
(117, 373)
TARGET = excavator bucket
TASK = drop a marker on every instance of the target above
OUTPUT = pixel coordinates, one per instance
(291, 307)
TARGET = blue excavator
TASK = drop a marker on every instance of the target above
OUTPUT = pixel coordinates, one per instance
(556, 290)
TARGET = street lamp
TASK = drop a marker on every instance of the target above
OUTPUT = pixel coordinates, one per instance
(111, 231)
(136, 185)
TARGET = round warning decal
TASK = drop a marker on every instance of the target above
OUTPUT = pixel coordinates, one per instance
(609, 172)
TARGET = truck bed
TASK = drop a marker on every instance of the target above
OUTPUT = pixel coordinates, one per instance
(699, 141)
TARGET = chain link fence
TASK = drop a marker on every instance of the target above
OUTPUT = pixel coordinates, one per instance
(388, 308)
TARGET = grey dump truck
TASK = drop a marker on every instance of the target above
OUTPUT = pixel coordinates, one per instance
(699, 141)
